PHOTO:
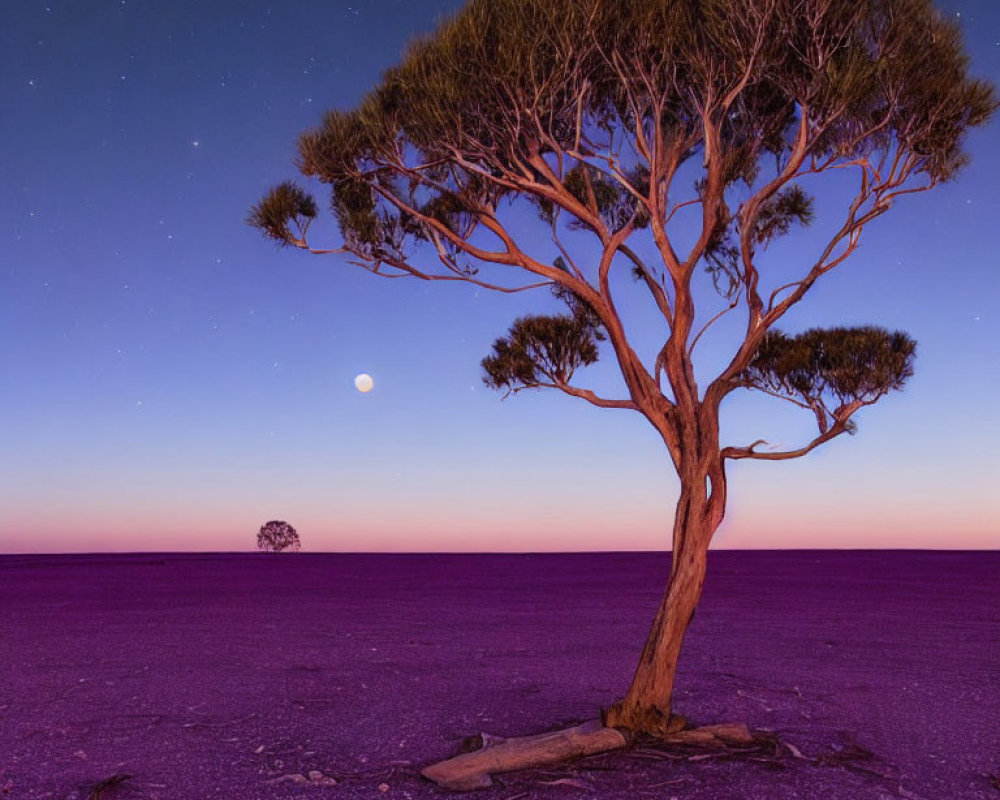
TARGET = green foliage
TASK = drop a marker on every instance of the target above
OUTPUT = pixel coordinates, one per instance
(472, 80)
(722, 255)
(330, 151)
(776, 216)
(923, 66)
(284, 205)
(451, 211)
(614, 203)
(354, 205)
(580, 310)
(850, 364)
(503, 81)
(544, 349)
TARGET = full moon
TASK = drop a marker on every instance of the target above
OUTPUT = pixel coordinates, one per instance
(364, 382)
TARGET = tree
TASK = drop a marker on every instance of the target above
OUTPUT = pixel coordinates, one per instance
(276, 536)
(656, 141)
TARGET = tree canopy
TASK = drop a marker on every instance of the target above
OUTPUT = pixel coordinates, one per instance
(591, 112)
(276, 536)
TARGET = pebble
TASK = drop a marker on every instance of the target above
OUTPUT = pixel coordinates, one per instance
(315, 777)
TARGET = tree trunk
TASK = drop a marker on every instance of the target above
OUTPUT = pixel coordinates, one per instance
(646, 707)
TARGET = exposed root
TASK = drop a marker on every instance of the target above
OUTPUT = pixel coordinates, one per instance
(728, 734)
(484, 755)
(593, 745)
(649, 719)
(732, 740)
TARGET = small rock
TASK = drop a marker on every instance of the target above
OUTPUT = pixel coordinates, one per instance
(315, 775)
(259, 750)
(383, 787)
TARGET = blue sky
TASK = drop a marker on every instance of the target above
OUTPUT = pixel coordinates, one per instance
(172, 380)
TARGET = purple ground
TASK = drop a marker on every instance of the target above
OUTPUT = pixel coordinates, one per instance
(205, 676)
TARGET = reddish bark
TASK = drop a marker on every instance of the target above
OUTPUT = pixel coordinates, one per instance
(647, 705)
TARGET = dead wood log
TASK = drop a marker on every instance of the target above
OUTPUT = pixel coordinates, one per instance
(473, 770)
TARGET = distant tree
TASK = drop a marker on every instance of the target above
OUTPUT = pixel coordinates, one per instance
(653, 139)
(277, 535)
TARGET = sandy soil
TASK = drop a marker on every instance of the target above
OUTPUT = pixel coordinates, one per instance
(207, 677)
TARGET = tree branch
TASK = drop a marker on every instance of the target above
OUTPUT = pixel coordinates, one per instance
(881, 196)
(407, 270)
(736, 453)
(748, 217)
(659, 294)
(712, 321)
(583, 394)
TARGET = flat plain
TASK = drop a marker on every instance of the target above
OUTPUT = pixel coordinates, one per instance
(218, 676)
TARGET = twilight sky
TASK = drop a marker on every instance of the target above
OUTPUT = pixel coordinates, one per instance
(171, 381)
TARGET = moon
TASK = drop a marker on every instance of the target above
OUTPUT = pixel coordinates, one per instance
(364, 383)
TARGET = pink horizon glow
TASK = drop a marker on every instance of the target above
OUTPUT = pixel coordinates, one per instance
(515, 534)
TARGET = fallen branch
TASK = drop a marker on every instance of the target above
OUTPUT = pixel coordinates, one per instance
(473, 770)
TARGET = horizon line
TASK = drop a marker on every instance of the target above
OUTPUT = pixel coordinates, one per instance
(499, 552)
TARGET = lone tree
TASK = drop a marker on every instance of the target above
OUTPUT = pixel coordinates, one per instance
(277, 535)
(655, 140)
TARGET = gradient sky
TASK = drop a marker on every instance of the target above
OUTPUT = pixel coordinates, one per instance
(171, 380)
